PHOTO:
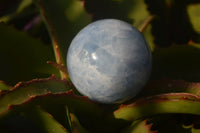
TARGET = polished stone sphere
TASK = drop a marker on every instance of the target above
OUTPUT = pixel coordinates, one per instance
(109, 61)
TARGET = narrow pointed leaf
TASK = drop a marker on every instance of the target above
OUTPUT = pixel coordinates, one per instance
(23, 57)
(44, 120)
(63, 18)
(24, 91)
(78, 128)
(140, 127)
(160, 104)
(85, 110)
(23, 4)
(69, 120)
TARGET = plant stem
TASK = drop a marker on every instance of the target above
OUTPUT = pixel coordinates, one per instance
(53, 38)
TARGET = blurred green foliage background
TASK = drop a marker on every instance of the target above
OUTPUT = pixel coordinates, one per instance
(173, 34)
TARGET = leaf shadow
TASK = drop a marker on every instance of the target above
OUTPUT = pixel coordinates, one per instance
(102, 9)
(172, 23)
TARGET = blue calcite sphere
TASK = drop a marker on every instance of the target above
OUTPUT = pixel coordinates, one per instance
(109, 61)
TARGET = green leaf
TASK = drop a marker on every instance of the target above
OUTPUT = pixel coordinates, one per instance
(155, 87)
(195, 130)
(20, 14)
(69, 120)
(58, 111)
(92, 117)
(101, 9)
(4, 86)
(23, 4)
(23, 57)
(133, 11)
(177, 62)
(177, 20)
(78, 128)
(160, 104)
(139, 127)
(149, 37)
(194, 12)
(63, 18)
(127, 10)
(85, 110)
(138, 12)
(24, 91)
(44, 120)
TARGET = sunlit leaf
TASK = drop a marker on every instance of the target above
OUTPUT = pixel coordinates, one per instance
(24, 91)
(85, 110)
(193, 11)
(160, 104)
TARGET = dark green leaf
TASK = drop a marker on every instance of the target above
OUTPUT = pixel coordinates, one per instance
(44, 120)
(69, 120)
(171, 24)
(91, 116)
(155, 87)
(139, 127)
(149, 37)
(22, 57)
(177, 62)
(63, 18)
(8, 7)
(78, 128)
(132, 11)
(168, 123)
(59, 112)
(191, 122)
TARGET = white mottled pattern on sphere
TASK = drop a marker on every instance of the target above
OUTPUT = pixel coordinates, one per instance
(109, 61)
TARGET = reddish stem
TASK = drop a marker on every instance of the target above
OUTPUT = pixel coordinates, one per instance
(54, 40)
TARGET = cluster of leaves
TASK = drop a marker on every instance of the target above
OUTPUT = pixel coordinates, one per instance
(33, 32)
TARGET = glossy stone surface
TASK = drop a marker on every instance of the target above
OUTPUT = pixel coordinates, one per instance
(109, 61)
